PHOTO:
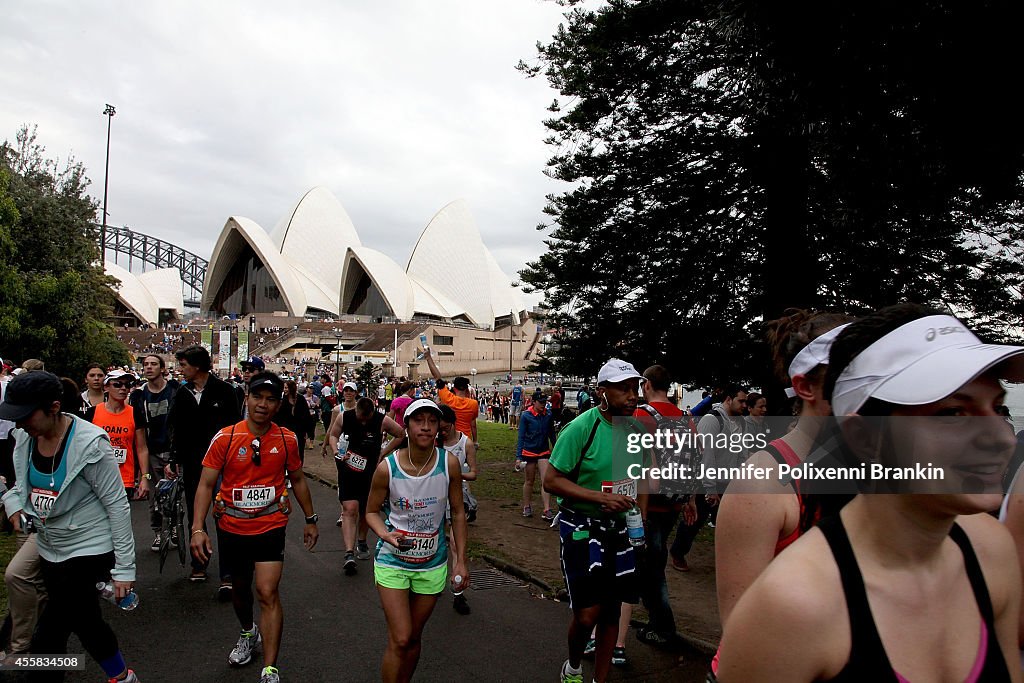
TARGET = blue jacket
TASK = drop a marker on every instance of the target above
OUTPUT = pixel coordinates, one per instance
(534, 432)
(90, 515)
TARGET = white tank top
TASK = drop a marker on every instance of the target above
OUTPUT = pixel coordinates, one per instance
(416, 507)
(459, 450)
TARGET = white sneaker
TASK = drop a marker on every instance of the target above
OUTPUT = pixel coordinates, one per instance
(270, 674)
(247, 643)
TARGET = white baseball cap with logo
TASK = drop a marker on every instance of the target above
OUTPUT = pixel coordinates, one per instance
(617, 370)
(921, 362)
(422, 404)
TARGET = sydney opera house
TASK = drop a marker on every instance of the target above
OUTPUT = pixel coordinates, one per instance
(314, 264)
(312, 274)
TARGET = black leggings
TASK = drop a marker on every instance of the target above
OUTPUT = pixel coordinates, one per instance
(73, 607)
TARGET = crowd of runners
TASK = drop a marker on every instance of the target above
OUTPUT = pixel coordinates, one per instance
(880, 581)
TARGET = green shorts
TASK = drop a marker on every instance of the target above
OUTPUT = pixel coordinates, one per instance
(429, 582)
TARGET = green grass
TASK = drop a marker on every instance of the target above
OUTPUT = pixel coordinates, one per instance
(7, 550)
(495, 457)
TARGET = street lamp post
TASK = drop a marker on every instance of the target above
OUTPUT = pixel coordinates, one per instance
(109, 113)
(337, 359)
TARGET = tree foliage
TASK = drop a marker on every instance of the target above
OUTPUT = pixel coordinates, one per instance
(368, 379)
(728, 160)
(55, 296)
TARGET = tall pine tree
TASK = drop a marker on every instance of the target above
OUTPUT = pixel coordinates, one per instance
(726, 161)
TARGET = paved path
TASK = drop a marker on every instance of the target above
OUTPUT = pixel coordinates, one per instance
(335, 630)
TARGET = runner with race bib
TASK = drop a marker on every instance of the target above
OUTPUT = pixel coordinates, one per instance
(252, 458)
(413, 489)
(125, 424)
(361, 430)
(589, 471)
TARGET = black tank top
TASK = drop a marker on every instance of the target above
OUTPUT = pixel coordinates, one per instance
(868, 661)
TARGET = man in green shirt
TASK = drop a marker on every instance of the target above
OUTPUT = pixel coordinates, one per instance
(589, 472)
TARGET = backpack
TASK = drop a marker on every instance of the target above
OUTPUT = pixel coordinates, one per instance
(584, 400)
(686, 460)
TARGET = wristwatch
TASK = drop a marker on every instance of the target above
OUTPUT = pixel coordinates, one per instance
(147, 476)
(313, 519)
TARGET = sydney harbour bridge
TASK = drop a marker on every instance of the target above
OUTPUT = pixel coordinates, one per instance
(158, 253)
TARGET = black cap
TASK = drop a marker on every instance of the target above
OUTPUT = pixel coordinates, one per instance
(539, 396)
(29, 391)
(266, 379)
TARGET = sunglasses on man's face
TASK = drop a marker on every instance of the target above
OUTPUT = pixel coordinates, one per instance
(256, 452)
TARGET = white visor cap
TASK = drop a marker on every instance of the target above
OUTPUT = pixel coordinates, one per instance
(813, 355)
(921, 362)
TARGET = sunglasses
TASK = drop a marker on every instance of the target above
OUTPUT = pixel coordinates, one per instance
(119, 385)
(256, 451)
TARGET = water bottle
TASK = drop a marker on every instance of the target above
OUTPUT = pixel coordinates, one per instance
(635, 527)
(342, 447)
(458, 589)
(127, 603)
(423, 343)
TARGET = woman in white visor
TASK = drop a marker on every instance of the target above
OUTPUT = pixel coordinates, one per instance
(911, 587)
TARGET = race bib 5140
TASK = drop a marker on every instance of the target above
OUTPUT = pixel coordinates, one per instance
(420, 547)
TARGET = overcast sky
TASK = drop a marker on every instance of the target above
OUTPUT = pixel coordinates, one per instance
(238, 108)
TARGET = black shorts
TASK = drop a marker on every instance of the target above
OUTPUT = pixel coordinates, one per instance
(354, 485)
(598, 562)
(239, 553)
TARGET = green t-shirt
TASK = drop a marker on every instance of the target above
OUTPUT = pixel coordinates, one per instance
(607, 458)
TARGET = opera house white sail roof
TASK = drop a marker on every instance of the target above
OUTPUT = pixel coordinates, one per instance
(146, 294)
(313, 262)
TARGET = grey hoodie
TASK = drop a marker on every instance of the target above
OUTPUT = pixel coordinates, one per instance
(90, 515)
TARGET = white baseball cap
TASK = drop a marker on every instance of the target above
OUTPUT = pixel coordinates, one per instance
(350, 385)
(422, 404)
(119, 374)
(921, 362)
(617, 370)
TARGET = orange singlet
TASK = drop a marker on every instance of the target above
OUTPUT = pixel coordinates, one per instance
(120, 427)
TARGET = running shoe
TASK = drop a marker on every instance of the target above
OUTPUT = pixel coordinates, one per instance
(362, 551)
(270, 674)
(340, 520)
(619, 656)
(173, 540)
(548, 516)
(711, 524)
(470, 516)
(461, 605)
(158, 540)
(247, 643)
(527, 511)
(350, 564)
(224, 592)
(568, 677)
(679, 565)
(659, 640)
(130, 678)
(590, 649)
(197, 576)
